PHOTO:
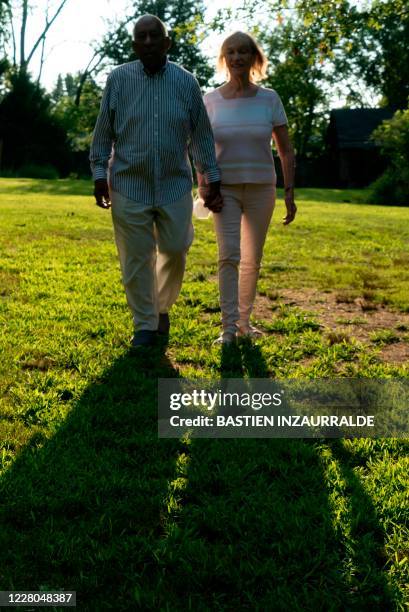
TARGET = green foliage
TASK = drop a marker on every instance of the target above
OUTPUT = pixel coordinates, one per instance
(384, 59)
(184, 18)
(389, 189)
(393, 136)
(297, 74)
(368, 41)
(78, 119)
(319, 49)
(305, 43)
(3, 7)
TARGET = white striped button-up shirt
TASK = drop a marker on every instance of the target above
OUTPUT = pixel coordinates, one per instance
(145, 128)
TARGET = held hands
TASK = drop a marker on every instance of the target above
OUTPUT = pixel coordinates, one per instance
(101, 193)
(290, 206)
(212, 197)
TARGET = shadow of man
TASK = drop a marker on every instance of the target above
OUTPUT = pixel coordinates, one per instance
(84, 511)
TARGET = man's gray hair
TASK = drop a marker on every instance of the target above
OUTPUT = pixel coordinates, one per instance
(160, 23)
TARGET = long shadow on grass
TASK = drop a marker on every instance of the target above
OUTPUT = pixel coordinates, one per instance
(83, 509)
(133, 522)
(251, 525)
(243, 359)
(367, 538)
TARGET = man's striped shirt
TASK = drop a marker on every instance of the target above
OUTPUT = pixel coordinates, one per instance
(145, 128)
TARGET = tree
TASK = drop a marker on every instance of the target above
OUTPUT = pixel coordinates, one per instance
(297, 74)
(320, 49)
(185, 20)
(18, 17)
(384, 60)
(25, 107)
(302, 40)
(365, 42)
(4, 64)
(374, 42)
(25, 111)
(78, 119)
(393, 137)
(3, 16)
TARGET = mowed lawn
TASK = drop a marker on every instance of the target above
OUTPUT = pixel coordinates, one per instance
(91, 500)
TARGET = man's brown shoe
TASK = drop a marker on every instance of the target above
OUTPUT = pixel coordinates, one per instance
(144, 337)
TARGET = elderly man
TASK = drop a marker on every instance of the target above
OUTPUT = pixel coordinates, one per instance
(151, 114)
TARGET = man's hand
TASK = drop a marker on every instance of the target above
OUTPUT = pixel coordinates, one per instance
(290, 206)
(212, 197)
(215, 205)
(101, 193)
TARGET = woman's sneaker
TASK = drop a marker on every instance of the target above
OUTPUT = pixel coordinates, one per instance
(249, 332)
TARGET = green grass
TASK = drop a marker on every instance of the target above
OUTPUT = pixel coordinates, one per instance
(92, 501)
(384, 336)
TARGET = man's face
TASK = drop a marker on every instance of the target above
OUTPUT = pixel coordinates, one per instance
(150, 44)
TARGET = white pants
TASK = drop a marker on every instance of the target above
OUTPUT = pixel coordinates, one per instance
(152, 244)
(241, 229)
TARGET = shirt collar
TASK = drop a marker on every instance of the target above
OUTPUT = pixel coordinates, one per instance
(159, 72)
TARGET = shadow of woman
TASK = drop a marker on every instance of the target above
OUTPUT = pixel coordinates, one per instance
(243, 358)
(83, 510)
(366, 552)
(254, 526)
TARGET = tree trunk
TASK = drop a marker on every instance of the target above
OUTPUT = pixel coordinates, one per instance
(23, 35)
(87, 72)
(23, 60)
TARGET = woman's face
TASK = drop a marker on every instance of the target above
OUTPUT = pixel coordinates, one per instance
(239, 57)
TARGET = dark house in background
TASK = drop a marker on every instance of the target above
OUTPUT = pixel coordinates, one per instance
(354, 159)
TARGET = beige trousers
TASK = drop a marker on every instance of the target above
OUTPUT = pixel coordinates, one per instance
(241, 229)
(152, 243)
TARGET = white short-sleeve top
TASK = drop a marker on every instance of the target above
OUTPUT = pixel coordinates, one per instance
(242, 130)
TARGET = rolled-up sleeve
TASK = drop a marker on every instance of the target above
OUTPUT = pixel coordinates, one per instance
(201, 138)
(103, 136)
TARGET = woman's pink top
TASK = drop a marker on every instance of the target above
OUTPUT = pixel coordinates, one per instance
(242, 130)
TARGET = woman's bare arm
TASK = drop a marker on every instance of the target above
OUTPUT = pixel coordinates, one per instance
(287, 159)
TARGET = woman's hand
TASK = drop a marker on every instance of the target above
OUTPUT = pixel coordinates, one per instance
(290, 206)
(202, 191)
(287, 158)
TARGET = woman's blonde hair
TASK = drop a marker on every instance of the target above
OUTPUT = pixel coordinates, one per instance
(259, 67)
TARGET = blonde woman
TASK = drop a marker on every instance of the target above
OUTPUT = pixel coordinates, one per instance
(245, 117)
